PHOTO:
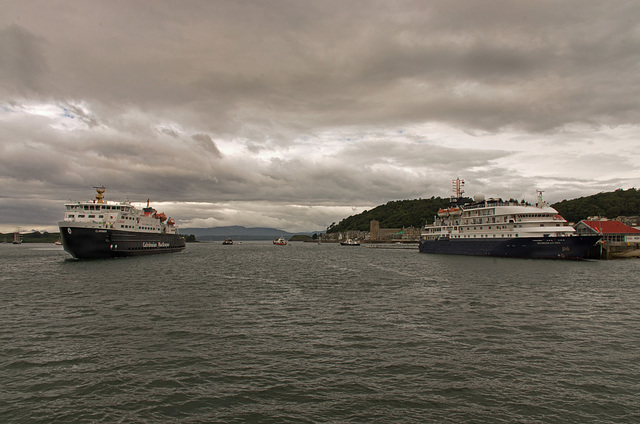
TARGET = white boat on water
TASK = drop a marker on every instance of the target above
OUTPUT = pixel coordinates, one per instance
(280, 241)
(17, 238)
(350, 242)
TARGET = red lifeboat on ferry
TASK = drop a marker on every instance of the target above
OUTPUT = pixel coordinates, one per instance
(171, 222)
(161, 216)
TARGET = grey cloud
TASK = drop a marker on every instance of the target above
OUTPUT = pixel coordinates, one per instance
(22, 60)
(207, 144)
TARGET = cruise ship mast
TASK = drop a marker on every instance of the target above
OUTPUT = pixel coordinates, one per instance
(539, 201)
(458, 189)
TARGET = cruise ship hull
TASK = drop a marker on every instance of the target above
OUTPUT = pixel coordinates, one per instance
(573, 247)
(95, 243)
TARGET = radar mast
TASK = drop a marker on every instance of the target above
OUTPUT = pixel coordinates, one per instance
(458, 190)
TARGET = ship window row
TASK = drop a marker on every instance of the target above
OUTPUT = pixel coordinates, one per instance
(484, 236)
(98, 207)
(463, 228)
(505, 219)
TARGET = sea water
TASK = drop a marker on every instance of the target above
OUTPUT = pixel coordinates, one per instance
(310, 333)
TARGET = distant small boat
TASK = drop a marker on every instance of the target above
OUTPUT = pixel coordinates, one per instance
(57, 243)
(17, 238)
(280, 242)
(227, 241)
(350, 242)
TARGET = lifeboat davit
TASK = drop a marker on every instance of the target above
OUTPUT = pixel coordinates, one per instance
(161, 216)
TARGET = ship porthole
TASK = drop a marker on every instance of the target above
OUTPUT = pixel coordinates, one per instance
(69, 230)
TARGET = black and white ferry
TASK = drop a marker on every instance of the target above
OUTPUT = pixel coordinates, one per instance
(493, 227)
(104, 229)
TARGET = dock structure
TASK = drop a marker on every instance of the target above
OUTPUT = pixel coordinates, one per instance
(614, 250)
(618, 239)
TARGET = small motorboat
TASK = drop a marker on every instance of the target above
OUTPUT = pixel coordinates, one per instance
(350, 242)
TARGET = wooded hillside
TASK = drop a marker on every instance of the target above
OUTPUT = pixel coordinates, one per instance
(394, 214)
(609, 205)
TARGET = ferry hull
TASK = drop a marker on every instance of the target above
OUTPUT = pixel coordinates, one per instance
(96, 243)
(574, 247)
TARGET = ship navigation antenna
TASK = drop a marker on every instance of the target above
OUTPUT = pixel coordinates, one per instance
(458, 189)
(540, 202)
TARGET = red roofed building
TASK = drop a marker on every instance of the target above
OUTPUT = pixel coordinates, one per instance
(611, 231)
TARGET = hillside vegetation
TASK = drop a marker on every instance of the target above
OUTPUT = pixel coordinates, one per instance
(32, 237)
(609, 205)
(416, 213)
(394, 214)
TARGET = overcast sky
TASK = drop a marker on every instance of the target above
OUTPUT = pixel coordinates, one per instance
(296, 114)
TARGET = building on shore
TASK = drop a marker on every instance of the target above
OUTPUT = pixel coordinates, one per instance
(631, 221)
(618, 240)
(375, 235)
(344, 236)
(404, 234)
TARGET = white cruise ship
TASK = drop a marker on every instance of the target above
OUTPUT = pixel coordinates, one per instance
(493, 227)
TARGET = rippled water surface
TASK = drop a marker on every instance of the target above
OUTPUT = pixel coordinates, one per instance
(316, 333)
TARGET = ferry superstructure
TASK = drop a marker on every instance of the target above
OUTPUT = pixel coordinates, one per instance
(493, 227)
(102, 229)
